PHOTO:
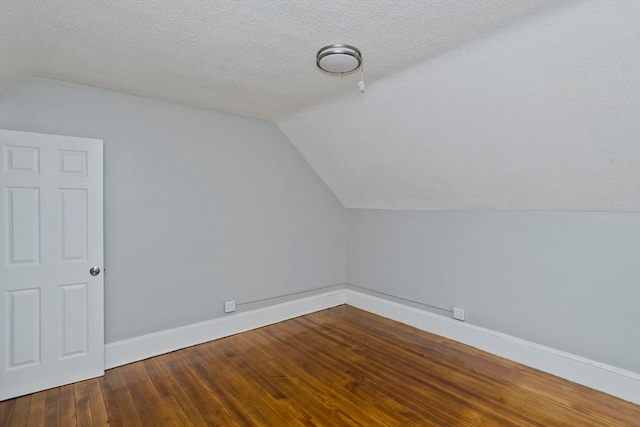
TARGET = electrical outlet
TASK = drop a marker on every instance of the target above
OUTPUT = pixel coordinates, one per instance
(458, 313)
(230, 306)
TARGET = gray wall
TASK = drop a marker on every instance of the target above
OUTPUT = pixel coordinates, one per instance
(199, 206)
(567, 280)
(202, 206)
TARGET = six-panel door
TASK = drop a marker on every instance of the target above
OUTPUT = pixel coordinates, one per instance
(51, 235)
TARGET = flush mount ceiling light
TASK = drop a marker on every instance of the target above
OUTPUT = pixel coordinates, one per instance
(339, 58)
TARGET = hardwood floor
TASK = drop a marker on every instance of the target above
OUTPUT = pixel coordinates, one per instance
(337, 367)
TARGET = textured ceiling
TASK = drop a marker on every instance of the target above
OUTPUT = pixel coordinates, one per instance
(544, 115)
(483, 104)
(253, 58)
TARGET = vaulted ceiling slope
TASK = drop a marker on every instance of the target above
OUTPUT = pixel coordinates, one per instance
(484, 104)
(544, 115)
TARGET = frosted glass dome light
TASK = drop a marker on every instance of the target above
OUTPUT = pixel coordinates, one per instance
(339, 58)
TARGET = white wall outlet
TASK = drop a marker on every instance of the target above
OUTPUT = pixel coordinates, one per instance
(230, 306)
(458, 313)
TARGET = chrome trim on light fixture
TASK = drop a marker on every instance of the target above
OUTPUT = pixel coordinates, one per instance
(339, 49)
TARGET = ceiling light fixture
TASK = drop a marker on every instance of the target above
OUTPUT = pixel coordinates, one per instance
(339, 58)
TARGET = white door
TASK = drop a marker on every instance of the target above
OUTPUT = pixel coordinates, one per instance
(51, 306)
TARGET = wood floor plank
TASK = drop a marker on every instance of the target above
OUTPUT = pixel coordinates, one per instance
(20, 415)
(68, 405)
(229, 375)
(97, 403)
(185, 407)
(6, 411)
(126, 404)
(436, 380)
(259, 385)
(52, 408)
(157, 379)
(206, 400)
(36, 409)
(517, 379)
(170, 408)
(518, 397)
(337, 367)
(114, 413)
(395, 387)
(320, 403)
(469, 386)
(83, 405)
(152, 399)
(329, 373)
(144, 396)
(290, 381)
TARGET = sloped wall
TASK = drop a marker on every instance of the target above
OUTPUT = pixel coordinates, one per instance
(199, 206)
(539, 116)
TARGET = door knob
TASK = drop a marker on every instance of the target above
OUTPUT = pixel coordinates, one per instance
(94, 271)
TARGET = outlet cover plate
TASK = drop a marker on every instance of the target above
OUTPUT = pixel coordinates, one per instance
(230, 306)
(458, 313)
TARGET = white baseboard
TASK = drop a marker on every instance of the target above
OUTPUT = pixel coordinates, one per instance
(599, 376)
(140, 348)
